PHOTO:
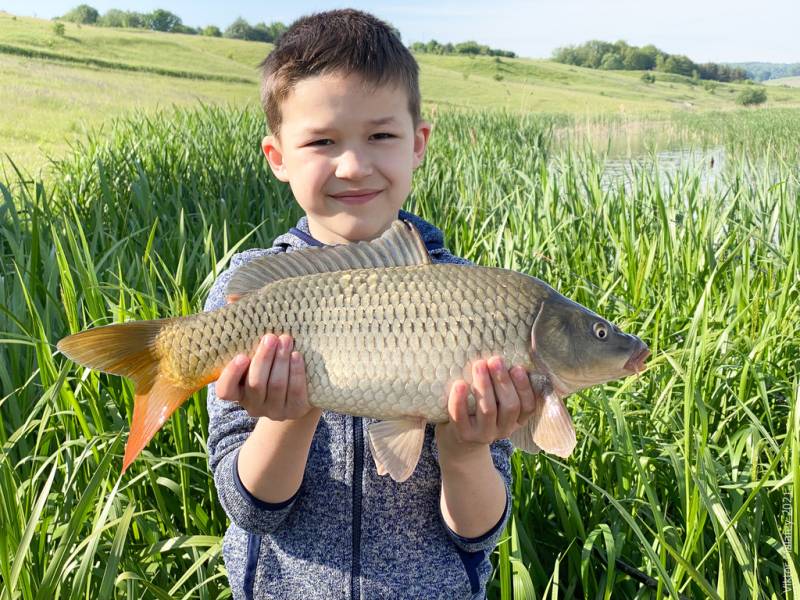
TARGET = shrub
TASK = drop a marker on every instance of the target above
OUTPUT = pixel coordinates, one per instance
(648, 77)
(752, 97)
(58, 29)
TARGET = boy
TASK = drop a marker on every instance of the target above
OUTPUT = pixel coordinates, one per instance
(311, 518)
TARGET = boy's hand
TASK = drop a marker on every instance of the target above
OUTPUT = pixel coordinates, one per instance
(272, 384)
(505, 401)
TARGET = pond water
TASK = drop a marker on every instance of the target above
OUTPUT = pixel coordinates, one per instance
(709, 163)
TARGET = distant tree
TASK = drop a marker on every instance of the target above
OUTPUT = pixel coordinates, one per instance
(136, 19)
(612, 61)
(469, 47)
(113, 17)
(59, 29)
(211, 31)
(240, 30)
(567, 55)
(680, 65)
(752, 97)
(276, 30)
(636, 59)
(181, 28)
(261, 33)
(594, 51)
(82, 13)
(162, 20)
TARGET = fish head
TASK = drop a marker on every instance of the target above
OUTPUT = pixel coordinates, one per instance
(577, 348)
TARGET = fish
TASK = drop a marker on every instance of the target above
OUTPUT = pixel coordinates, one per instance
(384, 333)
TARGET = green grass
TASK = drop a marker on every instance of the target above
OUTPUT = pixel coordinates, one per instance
(686, 474)
(52, 87)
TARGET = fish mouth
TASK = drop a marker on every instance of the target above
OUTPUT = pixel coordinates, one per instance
(635, 363)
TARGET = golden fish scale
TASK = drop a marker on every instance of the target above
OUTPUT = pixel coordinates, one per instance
(381, 343)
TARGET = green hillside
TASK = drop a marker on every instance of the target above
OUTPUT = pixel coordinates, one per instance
(788, 81)
(52, 86)
(136, 47)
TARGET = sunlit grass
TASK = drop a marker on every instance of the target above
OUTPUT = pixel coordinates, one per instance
(683, 479)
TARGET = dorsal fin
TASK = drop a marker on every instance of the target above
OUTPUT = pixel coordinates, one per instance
(399, 246)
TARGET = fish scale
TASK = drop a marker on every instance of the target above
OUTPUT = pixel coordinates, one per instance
(375, 342)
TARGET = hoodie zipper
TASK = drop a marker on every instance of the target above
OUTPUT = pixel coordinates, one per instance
(358, 468)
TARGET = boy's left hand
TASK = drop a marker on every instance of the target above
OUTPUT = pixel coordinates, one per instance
(505, 401)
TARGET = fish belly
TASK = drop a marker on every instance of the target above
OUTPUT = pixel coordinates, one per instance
(381, 343)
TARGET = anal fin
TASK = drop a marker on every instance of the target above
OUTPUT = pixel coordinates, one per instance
(396, 446)
(522, 439)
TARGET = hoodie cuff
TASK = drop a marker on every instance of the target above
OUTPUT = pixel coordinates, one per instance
(245, 510)
(251, 499)
(485, 542)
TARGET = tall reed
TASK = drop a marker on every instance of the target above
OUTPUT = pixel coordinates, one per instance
(683, 479)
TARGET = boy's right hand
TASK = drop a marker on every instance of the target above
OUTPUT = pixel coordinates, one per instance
(272, 384)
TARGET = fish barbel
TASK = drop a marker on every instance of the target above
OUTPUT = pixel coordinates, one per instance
(384, 332)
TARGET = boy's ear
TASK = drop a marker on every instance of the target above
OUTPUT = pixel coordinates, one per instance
(270, 145)
(421, 135)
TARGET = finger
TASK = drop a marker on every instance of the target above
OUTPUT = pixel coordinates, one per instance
(260, 366)
(279, 379)
(486, 409)
(297, 390)
(527, 397)
(228, 386)
(507, 399)
(459, 411)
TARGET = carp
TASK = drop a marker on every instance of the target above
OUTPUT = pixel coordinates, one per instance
(384, 333)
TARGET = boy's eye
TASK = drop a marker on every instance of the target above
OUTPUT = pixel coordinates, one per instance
(324, 142)
(383, 136)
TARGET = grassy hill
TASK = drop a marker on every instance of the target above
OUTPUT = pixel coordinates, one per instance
(784, 81)
(52, 87)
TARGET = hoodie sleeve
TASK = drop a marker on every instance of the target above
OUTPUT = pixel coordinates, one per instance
(229, 425)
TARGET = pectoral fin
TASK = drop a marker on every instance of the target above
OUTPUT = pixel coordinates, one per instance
(552, 427)
(396, 446)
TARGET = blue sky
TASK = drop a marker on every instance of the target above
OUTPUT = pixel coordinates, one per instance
(704, 30)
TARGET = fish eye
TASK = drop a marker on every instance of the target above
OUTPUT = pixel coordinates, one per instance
(600, 331)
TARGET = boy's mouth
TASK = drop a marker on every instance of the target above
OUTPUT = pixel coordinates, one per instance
(355, 197)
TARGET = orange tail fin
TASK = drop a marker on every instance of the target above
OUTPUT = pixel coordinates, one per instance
(128, 349)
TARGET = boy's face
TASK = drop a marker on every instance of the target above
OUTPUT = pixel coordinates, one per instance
(348, 151)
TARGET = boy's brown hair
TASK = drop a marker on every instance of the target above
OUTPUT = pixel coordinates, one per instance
(343, 42)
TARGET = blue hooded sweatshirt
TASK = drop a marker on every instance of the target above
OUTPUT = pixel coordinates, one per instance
(347, 533)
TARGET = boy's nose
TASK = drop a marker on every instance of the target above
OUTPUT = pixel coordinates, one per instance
(353, 165)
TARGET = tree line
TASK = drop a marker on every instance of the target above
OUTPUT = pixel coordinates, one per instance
(164, 20)
(597, 54)
(469, 48)
(759, 71)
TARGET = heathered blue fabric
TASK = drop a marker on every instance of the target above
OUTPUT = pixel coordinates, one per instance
(303, 548)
